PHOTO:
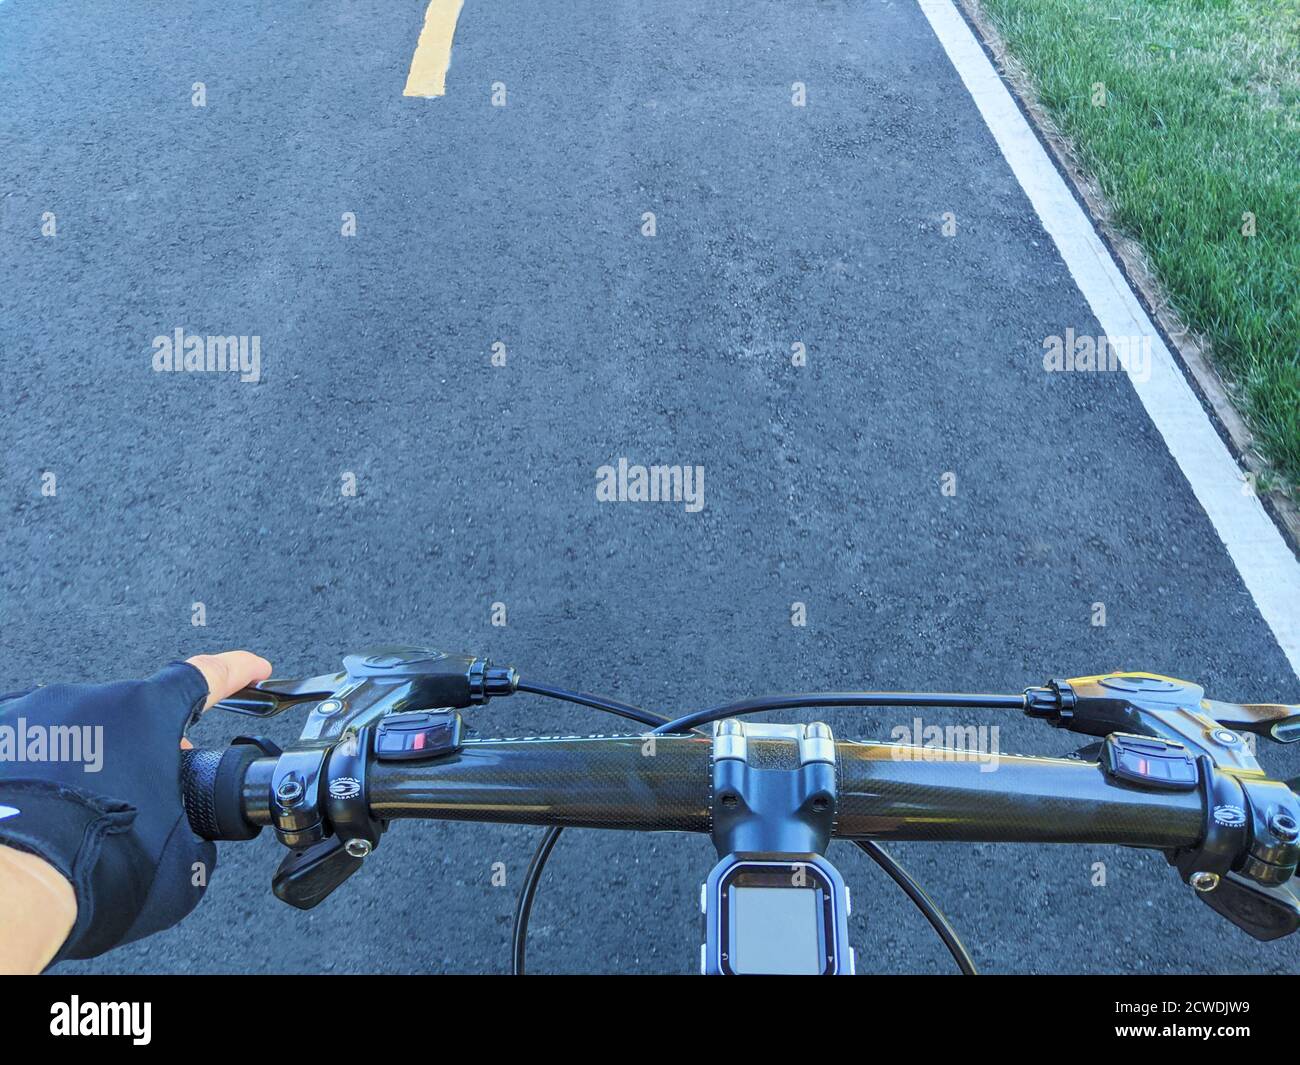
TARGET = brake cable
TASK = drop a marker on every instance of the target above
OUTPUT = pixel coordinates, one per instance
(688, 722)
(596, 702)
(956, 700)
(524, 907)
(924, 903)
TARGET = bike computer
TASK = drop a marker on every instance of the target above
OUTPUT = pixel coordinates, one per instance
(776, 914)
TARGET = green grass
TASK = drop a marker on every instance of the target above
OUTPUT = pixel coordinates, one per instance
(1201, 125)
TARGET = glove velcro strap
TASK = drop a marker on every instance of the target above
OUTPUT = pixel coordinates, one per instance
(88, 840)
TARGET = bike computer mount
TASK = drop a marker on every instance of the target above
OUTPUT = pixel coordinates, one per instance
(386, 702)
(773, 904)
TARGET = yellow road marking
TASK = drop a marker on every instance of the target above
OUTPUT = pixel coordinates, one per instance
(428, 76)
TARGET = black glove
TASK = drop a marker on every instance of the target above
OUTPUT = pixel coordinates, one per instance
(90, 781)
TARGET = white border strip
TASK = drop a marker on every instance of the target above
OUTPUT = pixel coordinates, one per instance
(1267, 567)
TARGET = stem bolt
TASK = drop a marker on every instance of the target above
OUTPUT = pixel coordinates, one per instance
(357, 847)
(1204, 882)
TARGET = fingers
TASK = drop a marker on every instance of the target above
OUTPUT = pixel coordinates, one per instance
(229, 671)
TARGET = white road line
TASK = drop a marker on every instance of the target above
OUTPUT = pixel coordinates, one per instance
(1267, 567)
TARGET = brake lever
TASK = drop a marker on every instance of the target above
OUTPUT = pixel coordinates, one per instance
(1276, 721)
(420, 676)
(267, 698)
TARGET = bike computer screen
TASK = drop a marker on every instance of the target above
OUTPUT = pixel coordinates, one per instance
(776, 918)
(776, 930)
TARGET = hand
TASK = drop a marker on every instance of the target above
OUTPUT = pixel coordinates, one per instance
(227, 672)
(90, 787)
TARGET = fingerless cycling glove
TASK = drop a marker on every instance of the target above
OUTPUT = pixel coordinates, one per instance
(90, 782)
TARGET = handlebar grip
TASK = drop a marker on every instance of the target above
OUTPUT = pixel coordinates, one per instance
(212, 787)
(198, 790)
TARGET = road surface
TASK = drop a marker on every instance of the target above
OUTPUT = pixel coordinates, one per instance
(949, 514)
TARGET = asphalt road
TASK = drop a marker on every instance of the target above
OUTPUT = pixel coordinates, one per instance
(776, 225)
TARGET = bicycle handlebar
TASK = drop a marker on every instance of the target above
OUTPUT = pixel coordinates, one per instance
(886, 791)
(1173, 773)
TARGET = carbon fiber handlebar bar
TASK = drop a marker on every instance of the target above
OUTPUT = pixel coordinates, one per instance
(633, 783)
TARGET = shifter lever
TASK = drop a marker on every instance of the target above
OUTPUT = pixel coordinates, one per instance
(1258, 910)
(308, 876)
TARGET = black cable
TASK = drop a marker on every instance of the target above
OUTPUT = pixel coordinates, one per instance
(914, 891)
(923, 902)
(596, 702)
(808, 699)
(524, 907)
